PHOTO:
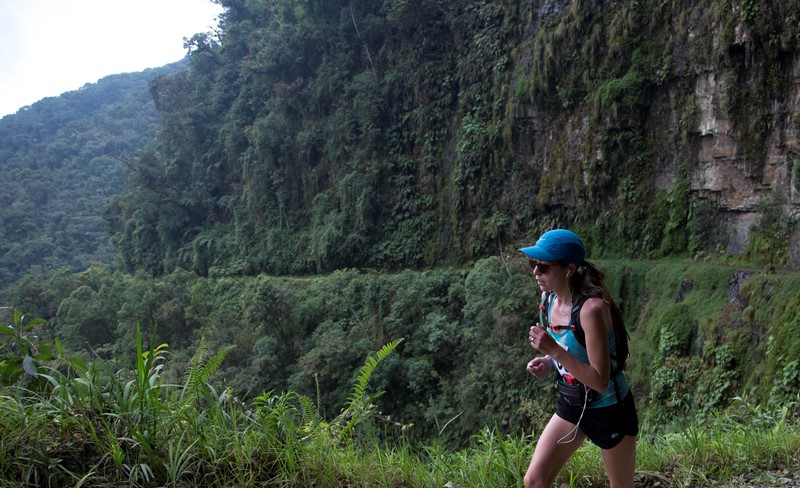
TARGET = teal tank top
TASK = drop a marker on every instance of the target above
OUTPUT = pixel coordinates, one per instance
(567, 340)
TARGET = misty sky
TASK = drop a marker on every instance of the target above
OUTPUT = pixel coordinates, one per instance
(53, 46)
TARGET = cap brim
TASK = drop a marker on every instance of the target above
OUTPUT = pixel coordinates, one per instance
(538, 253)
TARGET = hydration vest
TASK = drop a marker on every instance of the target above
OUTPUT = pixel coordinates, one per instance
(618, 357)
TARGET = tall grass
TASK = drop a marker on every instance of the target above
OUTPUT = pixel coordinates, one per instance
(102, 427)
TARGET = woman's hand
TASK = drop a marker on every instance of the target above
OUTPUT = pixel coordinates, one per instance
(542, 341)
(539, 367)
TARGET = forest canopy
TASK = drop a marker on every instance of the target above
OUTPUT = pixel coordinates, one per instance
(62, 159)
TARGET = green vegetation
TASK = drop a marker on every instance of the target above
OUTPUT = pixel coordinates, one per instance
(100, 424)
(397, 142)
(770, 242)
(62, 160)
(701, 335)
(337, 181)
(309, 137)
(20, 350)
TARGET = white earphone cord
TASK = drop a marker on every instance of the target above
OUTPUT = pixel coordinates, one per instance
(574, 431)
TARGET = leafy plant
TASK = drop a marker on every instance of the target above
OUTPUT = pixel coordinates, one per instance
(359, 407)
(200, 371)
(21, 350)
(768, 243)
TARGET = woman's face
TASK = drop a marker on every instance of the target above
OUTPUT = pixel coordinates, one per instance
(548, 274)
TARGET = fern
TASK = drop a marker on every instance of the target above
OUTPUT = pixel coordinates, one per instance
(359, 404)
(200, 370)
(311, 417)
(195, 366)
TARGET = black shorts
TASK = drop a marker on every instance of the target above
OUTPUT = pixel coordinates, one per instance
(604, 426)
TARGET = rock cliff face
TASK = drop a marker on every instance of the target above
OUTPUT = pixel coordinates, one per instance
(720, 172)
(714, 118)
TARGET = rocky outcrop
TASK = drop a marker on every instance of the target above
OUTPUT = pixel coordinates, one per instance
(720, 172)
(714, 122)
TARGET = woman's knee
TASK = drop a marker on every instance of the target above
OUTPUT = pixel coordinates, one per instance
(534, 479)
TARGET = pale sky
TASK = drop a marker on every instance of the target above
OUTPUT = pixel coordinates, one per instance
(48, 47)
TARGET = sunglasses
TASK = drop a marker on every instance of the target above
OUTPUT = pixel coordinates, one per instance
(543, 267)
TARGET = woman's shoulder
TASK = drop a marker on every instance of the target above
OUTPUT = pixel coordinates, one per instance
(593, 304)
(595, 309)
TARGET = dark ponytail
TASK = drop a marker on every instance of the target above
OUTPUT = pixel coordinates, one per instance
(589, 281)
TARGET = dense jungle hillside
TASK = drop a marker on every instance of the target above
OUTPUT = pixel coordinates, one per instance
(311, 136)
(331, 178)
(62, 158)
(315, 135)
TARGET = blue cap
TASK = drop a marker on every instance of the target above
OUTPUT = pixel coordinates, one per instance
(557, 245)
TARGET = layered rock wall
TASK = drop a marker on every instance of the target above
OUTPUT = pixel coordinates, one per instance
(710, 122)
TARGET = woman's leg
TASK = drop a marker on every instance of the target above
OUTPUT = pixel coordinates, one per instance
(620, 462)
(552, 452)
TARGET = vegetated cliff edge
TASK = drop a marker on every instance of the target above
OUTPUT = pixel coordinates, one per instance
(325, 136)
(313, 137)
